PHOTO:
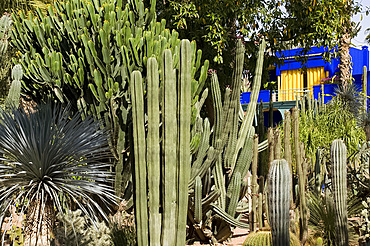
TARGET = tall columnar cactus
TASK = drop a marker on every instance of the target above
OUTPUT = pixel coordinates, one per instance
(5, 25)
(288, 147)
(279, 186)
(168, 228)
(228, 152)
(338, 154)
(140, 158)
(253, 213)
(299, 151)
(15, 89)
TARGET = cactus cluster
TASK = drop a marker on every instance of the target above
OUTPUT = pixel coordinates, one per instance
(84, 52)
(168, 227)
(221, 159)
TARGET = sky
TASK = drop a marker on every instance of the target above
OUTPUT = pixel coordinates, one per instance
(365, 24)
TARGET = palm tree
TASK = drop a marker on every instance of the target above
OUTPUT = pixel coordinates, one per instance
(50, 161)
(349, 29)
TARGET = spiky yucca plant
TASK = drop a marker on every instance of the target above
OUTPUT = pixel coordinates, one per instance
(50, 160)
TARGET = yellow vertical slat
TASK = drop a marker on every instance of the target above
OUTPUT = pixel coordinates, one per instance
(291, 85)
(294, 75)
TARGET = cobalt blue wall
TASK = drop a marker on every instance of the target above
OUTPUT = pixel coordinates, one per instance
(360, 58)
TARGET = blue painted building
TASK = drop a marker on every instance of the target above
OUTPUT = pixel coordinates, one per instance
(295, 82)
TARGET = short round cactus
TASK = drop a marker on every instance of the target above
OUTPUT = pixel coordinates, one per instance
(263, 238)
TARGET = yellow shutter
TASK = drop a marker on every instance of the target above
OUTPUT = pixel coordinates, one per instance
(314, 75)
(291, 81)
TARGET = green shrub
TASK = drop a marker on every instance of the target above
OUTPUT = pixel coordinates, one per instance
(334, 121)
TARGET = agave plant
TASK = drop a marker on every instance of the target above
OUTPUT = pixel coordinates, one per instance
(322, 218)
(350, 98)
(51, 160)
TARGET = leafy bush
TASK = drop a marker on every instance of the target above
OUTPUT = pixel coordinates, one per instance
(334, 121)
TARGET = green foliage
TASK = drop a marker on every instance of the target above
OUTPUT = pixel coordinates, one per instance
(322, 218)
(17, 236)
(74, 229)
(334, 121)
(14, 6)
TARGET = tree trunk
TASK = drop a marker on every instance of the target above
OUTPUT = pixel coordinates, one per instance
(344, 43)
(345, 59)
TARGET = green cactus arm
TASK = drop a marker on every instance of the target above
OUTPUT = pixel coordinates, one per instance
(253, 212)
(228, 218)
(140, 158)
(169, 148)
(12, 100)
(153, 151)
(234, 195)
(247, 122)
(184, 115)
(198, 200)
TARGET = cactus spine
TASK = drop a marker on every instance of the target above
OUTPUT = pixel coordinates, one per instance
(338, 154)
(279, 186)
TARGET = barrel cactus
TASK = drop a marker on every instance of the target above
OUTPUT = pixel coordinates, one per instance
(263, 238)
(338, 153)
(279, 187)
